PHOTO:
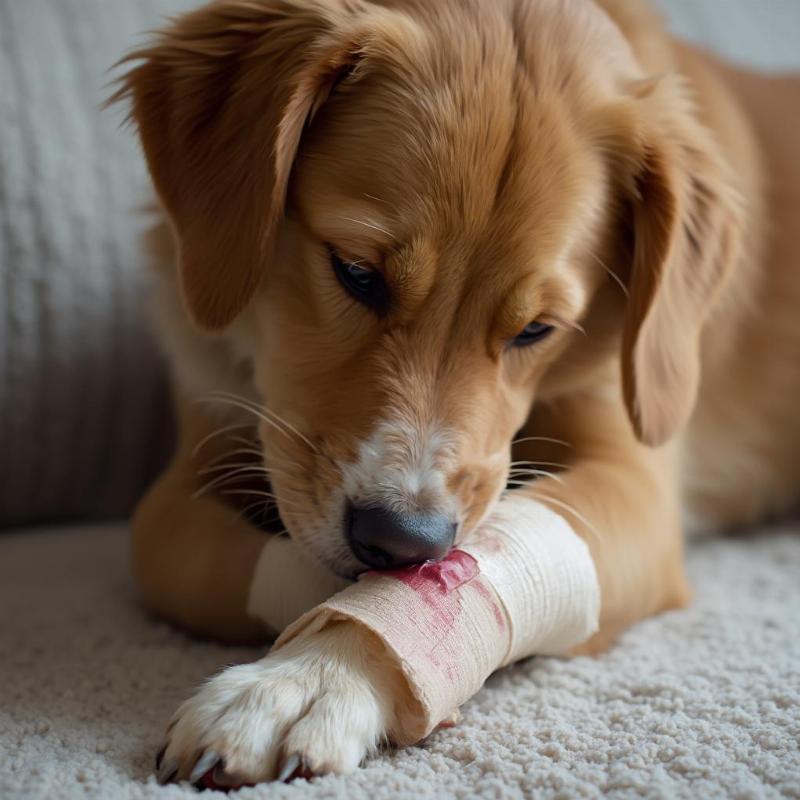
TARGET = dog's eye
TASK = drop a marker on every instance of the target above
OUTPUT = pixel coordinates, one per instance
(361, 282)
(533, 333)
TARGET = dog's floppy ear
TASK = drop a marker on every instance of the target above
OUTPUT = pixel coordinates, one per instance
(686, 227)
(220, 101)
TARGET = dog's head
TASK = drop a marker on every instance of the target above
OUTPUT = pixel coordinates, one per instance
(431, 215)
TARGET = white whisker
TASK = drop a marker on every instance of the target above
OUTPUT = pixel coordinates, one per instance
(572, 510)
(376, 199)
(541, 473)
(369, 225)
(222, 480)
(264, 505)
(261, 412)
(251, 443)
(539, 464)
(252, 466)
(541, 439)
(206, 439)
(614, 275)
(277, 417)
(247, 451)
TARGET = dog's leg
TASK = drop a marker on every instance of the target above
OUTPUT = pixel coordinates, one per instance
(622, 498)
(194, 556)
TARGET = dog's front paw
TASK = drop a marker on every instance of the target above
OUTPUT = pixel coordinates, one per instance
(319, 705)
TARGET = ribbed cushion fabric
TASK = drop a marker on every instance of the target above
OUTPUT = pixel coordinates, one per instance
(83, 417)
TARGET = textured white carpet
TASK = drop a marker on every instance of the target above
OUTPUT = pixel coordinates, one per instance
(700, 704)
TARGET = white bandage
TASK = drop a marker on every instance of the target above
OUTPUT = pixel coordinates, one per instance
(286, 584)
(525, 584)
(544, 575)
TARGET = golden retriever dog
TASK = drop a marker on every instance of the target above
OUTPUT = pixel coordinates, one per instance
(436, 254)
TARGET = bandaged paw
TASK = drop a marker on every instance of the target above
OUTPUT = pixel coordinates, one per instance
(524, 584)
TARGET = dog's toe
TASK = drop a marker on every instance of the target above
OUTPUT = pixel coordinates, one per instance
(339, 730)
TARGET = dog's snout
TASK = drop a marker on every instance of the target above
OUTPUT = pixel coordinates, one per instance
(384, 539)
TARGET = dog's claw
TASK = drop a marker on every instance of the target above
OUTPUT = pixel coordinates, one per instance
(160, 756)
(167, 772)
(290, 766)
(207, 761)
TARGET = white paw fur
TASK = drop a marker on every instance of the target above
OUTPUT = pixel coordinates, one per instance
(320, 704)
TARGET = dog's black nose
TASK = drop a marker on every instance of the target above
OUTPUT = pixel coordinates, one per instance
(384, 539)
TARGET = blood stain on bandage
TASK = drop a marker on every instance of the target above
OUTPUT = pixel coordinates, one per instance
(447, 575)
(436, 582)
(487, 596)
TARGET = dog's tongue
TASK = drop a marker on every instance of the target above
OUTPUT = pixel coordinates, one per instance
(454, 570)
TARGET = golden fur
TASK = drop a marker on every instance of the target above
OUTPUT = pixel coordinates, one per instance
(498, 161)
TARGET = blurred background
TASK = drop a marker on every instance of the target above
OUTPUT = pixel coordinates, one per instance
(84, 415)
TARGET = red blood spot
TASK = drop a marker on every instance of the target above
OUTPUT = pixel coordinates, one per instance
(456, 569)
